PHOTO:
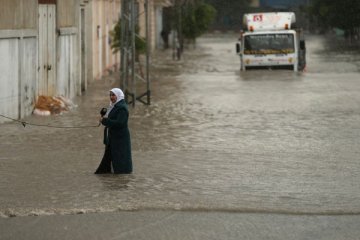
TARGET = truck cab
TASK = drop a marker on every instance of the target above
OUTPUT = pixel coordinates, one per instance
(269, 42)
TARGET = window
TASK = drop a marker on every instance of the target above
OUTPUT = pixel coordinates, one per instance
(269, 44)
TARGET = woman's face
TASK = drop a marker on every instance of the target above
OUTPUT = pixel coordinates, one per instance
(113, 97)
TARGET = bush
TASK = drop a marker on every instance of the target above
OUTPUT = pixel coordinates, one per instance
(196, 20)
(116, 44)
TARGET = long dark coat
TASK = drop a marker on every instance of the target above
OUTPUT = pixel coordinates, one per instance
(117, 137)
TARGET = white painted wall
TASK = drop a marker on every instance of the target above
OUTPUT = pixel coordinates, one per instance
(28, 75)
(105, 14)
(68, 69)
(19, 51)
(9, 77)
(158, 26)
(18, 67)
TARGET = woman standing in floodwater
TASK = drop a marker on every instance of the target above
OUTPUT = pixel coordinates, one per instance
(116, 136)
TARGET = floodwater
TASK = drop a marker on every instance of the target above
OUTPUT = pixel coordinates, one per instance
(213, 139)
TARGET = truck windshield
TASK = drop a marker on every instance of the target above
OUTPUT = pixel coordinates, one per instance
(269, 44)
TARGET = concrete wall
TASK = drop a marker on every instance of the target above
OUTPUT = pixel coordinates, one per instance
(18, 62)
(158, 27)
(18, 14)
(68, 68)
(105, 14)
(18, 74)
(20, 49)
(67, 11)
(82, 48)
(102, 16)
(86, 42)
(89, 42)
(155, 23)
(68, 49)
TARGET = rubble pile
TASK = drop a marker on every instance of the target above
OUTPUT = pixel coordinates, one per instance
(48, 105)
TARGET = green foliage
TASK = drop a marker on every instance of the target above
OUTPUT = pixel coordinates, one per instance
(115, 35)
(140, 43)
(196, 19)
(341, 14)
(229, 7)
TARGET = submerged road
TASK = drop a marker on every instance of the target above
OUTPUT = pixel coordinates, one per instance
(220, 154)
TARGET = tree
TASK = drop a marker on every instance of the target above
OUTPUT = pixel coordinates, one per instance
(140, 43)
(340, 14)
(229, 13)
(196, 19)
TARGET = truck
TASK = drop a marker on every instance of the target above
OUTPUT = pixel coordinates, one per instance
(271, 40)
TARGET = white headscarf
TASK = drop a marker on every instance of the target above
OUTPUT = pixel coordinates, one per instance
(119, 96)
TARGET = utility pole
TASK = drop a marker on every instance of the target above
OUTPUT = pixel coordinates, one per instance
(134, 77)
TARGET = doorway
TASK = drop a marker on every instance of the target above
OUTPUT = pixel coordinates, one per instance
(83, 50)
(47, 48)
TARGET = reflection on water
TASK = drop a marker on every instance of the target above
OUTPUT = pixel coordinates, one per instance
(115, 182)
(214, 138)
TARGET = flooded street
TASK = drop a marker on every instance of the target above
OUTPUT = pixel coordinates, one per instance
(213, 139)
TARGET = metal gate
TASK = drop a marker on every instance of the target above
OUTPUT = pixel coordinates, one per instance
(47, 49)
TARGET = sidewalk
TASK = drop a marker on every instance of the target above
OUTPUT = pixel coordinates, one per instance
(181, 225)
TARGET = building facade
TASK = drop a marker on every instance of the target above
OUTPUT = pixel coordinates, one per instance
(58, 47)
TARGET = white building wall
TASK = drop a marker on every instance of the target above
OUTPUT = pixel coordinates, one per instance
(9, 79)
(18, 67)
(19, 55)
(28, 74)
(105, 15)
(153, 22)
(158, 26)
(89, 11)
(68, 69)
